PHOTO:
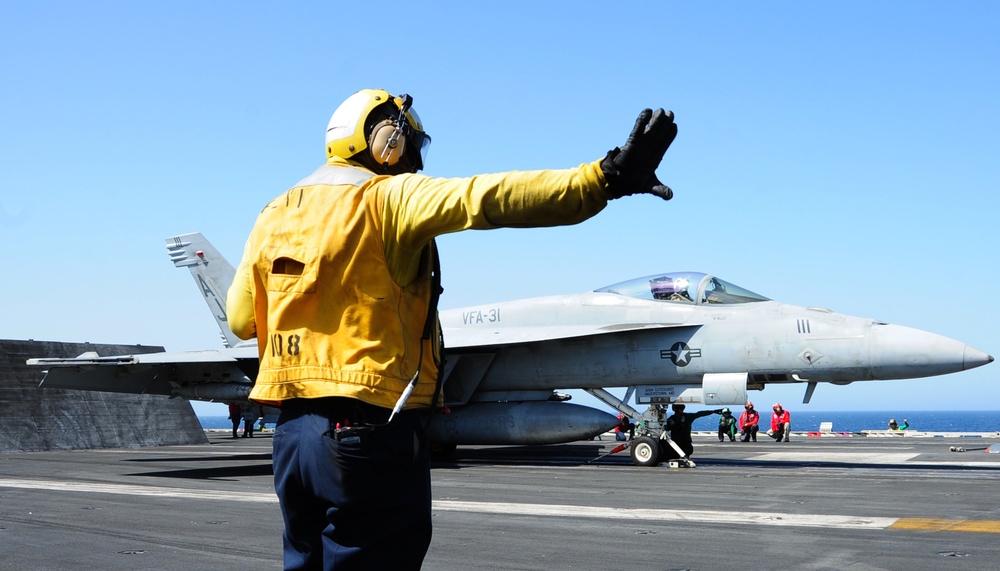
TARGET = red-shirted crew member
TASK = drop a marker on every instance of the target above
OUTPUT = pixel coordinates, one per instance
(781, 424)
(748, 423)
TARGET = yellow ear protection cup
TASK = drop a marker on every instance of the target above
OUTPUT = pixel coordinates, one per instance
(387, 143)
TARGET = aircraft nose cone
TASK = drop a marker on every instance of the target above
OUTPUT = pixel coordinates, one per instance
(975, 358)
(899, 352)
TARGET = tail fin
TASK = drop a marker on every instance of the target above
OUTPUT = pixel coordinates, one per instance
(211, 272)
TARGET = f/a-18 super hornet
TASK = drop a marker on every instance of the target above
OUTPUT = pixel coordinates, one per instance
(683, 337)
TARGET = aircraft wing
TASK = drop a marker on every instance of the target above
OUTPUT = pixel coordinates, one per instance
(207, 375)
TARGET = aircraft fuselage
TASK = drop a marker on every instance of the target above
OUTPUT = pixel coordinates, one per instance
(566, 342)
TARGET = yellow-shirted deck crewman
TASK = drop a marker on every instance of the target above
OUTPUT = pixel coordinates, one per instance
(339, 284)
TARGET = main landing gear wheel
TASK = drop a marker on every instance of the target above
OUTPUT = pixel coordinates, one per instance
(645, 451)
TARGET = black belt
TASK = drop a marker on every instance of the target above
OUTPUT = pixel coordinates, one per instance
(339, 409)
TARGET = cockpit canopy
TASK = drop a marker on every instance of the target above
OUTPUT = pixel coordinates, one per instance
(684, 287)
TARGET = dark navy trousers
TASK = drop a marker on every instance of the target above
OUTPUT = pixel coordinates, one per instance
(363, 502)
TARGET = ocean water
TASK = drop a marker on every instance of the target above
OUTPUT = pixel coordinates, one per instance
(208, 422)
(843, 421)
(856, 421)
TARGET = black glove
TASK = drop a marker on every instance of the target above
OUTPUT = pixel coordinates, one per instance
(717, 411)
(631, 169)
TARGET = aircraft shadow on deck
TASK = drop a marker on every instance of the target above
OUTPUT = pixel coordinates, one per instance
(575, 454)
(238, 467)
(229, 458)
(534, 455)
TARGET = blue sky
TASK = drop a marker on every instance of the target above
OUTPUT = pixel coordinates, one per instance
(836, 154)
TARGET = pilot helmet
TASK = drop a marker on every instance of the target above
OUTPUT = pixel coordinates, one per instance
(378, 130)
(662, 288)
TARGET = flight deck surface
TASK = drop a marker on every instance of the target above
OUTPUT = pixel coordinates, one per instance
(813, 503)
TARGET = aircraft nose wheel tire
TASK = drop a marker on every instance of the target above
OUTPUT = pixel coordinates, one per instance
(645, 451)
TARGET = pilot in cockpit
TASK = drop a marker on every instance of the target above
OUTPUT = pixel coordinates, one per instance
(669, 289)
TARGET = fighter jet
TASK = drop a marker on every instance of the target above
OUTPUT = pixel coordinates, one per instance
(683, 337)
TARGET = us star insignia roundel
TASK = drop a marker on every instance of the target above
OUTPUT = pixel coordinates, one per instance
(680, 354)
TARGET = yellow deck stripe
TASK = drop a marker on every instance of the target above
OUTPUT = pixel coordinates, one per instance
(935, 524)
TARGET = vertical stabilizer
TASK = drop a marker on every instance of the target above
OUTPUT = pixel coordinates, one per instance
(211, 272)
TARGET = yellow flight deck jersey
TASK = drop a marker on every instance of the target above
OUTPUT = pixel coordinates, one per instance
(335, 277)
